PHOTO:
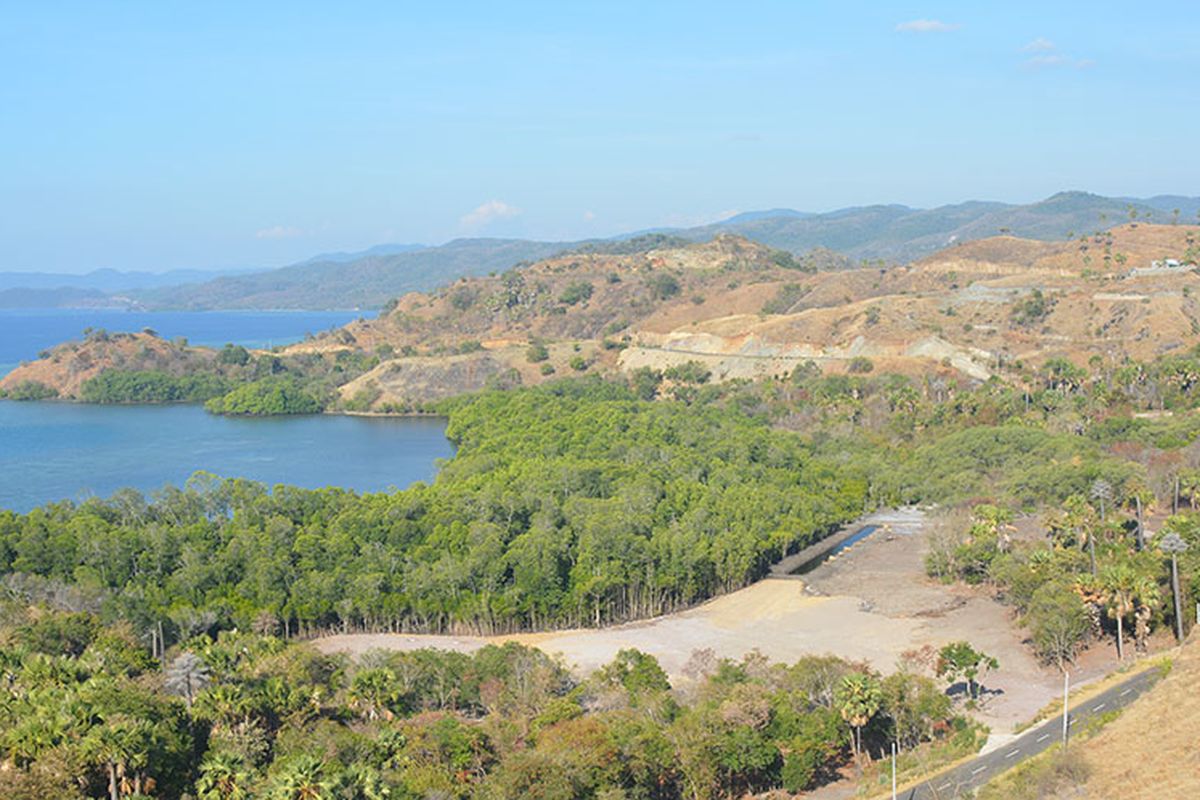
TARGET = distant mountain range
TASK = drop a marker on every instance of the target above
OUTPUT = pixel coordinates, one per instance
(112, 280)
(900, 234)
(97, 289)
(370, 278)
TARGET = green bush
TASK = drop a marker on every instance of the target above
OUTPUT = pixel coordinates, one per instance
(31, 390)
(536, 353)
(266, 397)
(152, 386)
(577, 292)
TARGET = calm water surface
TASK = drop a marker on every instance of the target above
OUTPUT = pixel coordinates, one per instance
(26, 332)
(52, 451)
(55, 451)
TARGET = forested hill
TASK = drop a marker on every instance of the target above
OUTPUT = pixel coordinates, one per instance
(364, 282)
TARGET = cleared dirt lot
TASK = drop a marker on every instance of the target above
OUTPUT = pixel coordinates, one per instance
(870, 603)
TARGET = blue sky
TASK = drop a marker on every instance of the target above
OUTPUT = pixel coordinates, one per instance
(162, 135)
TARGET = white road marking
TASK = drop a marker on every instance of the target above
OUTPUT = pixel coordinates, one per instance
(1097, 708)
(944, 786)
(1072, 722)
(978, 770)
(1043, 737)
(1127, 691)
(1013, 753)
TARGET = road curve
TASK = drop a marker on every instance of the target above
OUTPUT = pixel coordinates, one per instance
(975, 773)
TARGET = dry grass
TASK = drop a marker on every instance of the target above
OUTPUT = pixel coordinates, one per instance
(1151, 750)
(1147, 751)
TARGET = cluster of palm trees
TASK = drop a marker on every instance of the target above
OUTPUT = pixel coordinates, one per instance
(1127, 586)
(224, 776)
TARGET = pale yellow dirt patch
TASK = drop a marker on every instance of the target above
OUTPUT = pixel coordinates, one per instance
(767, 600)
(870, 604)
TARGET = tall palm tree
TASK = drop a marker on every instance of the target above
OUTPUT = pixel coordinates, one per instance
(1102, 492)
(1120, 584)
(186, 676)
(1142, 498)
(1148, 598)
(858, 699)
(1078, 524)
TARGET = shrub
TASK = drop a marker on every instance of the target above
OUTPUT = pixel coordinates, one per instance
(233, 354)
(266, 397)
(860, 365)
(463, 298)
(577, 292)
(31, 390)
(688, 372)
(662, 286)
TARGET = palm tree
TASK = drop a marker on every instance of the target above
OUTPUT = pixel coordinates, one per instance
(1173, 544)
(302, 779)
(1148, 598)
(1120, 585)
(1079, 522)
(120, 745)
(1102, 492)
(374, 690)
(1188, 484)
(361, 782)
(858, 698)
(223, 776)
(187, 676)
(225, 705)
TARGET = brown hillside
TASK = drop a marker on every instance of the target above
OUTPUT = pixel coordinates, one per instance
(972, 309)
(1150, 751)
(67, 366)
(996, 306)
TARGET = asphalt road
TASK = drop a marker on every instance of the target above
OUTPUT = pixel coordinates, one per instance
(975, 773)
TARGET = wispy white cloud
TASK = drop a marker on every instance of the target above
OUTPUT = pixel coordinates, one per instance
(1057, 61)
(588, 216)
(1048, 56)
(278, 232)
(927, 26)
(487, 213)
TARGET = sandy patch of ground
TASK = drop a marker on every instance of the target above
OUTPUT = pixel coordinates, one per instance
(871, 603)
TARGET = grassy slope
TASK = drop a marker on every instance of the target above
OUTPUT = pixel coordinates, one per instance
(1150, 751)
(1147, 752)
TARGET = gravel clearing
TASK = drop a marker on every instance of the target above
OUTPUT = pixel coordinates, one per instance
(872, 602)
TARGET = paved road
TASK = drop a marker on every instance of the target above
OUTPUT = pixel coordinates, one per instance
(977, 772)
